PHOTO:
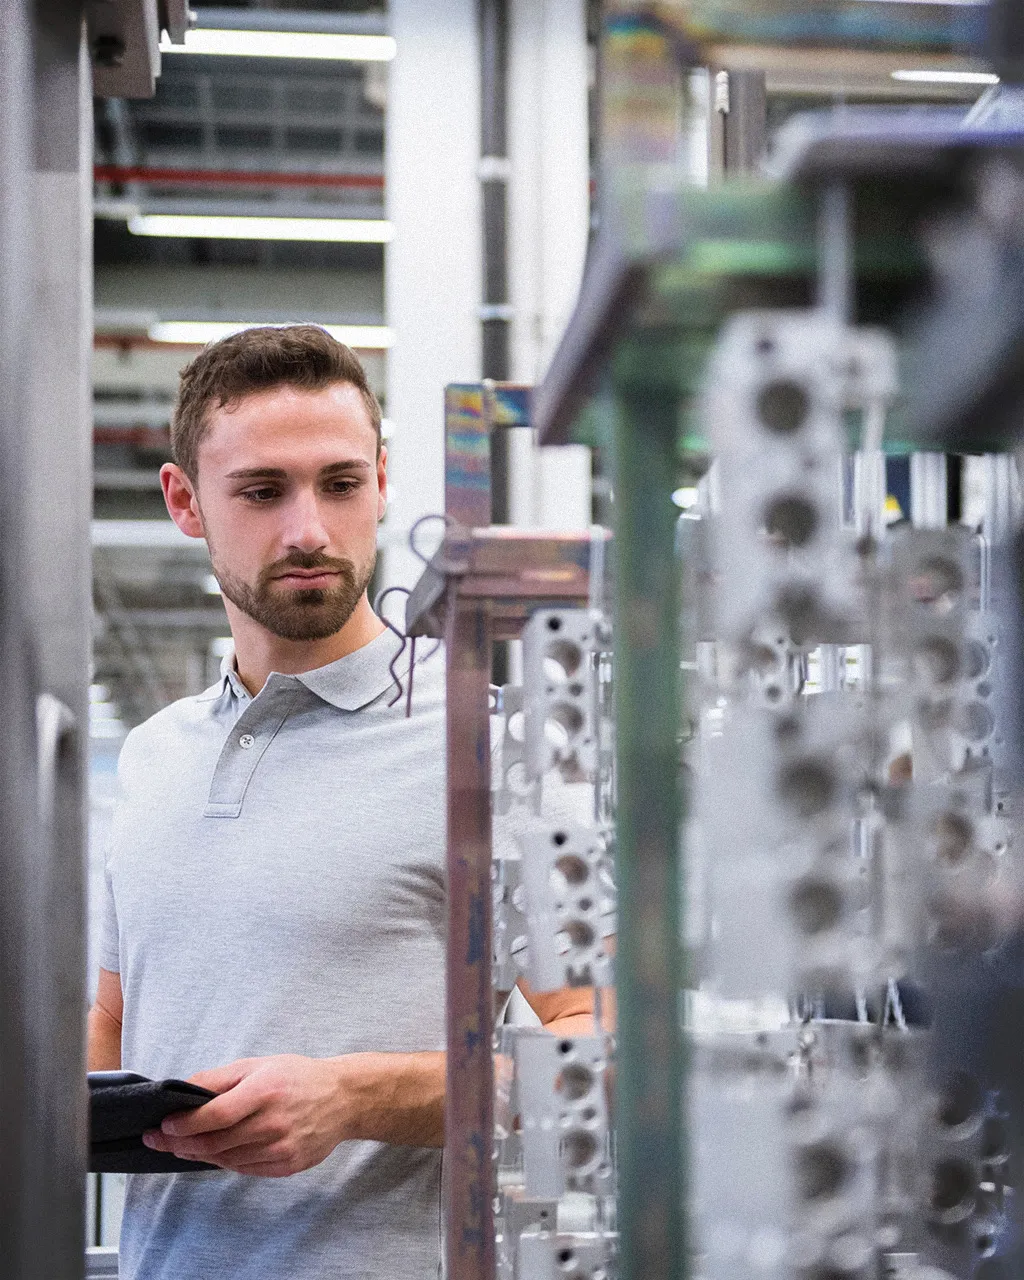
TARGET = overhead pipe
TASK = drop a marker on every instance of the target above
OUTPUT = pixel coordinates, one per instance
(156, 175)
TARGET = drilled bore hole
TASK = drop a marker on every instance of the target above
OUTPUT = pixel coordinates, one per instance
(976, 660)
(807, 786)
(822, 1169)
(937, 660)
(975, 721)
(573, 868)
(562, 660)
(954, 1191)
(783, 406)
(580, 933)
(817, 905)
(954, 836)
(579, 1148)
(791, 520)
(576, 1081)
(961, 1101)
(994, 1140)
(563, 722)
(937, 581)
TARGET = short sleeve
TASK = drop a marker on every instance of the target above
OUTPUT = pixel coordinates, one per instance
(110, 940)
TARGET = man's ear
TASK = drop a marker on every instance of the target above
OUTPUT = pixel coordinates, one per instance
(181, 500)
(382, 482)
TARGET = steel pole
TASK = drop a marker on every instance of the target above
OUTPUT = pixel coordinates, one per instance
(648, 705)
(469, 1099)
(20, 1184)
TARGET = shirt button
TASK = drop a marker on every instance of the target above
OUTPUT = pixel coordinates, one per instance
(246, 741)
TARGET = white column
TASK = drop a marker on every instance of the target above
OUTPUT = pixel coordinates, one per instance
(549, 211)
(432, 272)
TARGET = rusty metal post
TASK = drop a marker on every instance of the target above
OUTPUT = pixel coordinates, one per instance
(469, 1108)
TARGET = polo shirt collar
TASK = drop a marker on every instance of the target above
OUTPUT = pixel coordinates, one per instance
(349, 684)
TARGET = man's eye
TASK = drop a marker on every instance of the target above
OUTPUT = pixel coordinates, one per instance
(259, 495)
(342, 486)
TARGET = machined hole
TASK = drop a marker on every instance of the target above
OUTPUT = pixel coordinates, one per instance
(817, 905)
(808, 786)
(580, 933)
(576, 1081)
(562, 660)
(995, 1148)
(954, 1191)
(954, 837)
(563, 722)
(976, 660)
(573, 868)
(822, 1170)
(783, 406)
(791, 520)
(937, 660)
(937, 581)
(961, 1102)
(579, 1147)
(975, 721)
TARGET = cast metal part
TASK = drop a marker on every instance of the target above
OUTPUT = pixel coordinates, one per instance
(562, 1097)
(570, 901)
(559, 648)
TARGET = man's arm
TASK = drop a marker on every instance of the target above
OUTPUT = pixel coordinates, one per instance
(104, 1044)
(277, 1116)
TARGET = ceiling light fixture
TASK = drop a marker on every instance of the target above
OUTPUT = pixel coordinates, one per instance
(284, 44)
(946, 77)
(219, 226)
(365, 337)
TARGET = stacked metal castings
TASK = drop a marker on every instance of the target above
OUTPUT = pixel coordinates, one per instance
(554, 902)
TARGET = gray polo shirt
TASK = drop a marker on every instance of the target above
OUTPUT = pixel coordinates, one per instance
(276, 884)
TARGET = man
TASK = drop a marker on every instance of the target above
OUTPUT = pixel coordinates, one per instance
(276, 890)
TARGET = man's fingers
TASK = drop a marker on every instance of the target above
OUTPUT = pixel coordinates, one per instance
(205, 1146)
(222, 1112)
(221, 1079)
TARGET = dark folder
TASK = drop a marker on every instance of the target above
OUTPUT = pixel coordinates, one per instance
(123, 1106)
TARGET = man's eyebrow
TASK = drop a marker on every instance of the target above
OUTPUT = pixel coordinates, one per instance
(349, 464)
(278, 473)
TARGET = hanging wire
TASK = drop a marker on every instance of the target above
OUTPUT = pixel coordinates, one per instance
(406, 640)
(378, 608)
(449, 523)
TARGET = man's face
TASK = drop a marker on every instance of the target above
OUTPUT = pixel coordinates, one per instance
(290, 490)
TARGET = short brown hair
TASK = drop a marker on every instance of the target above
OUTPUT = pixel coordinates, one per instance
(297, 355)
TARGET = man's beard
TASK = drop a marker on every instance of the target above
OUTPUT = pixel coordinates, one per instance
(295, 613)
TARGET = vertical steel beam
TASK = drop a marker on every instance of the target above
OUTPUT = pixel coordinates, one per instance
(467, 455)
(469, 1105)
(494, 312)
(738, 123)
(928, 491)
(18, 847)
(57, 512)
(650, 1070)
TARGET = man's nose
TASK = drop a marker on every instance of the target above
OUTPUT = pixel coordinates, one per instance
(305, 529)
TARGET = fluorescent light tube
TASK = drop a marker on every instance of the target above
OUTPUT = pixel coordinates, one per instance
(946, 77)
(284, 44)
(367, 337)
(227, 227)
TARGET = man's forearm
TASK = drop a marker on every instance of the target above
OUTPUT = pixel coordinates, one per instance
(394, 1097)
(104, 1046)
(399, 1097)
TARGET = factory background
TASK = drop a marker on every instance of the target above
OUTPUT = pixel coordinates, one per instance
(425, 180)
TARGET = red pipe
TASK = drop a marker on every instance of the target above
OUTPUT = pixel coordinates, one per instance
(234, 177)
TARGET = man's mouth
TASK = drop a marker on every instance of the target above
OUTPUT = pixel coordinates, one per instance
(310, 578)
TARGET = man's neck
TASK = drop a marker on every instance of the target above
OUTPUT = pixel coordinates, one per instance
(258, 651)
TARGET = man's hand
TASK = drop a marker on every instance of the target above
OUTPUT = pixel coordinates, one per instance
(277, 1116)
(274, 1116)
